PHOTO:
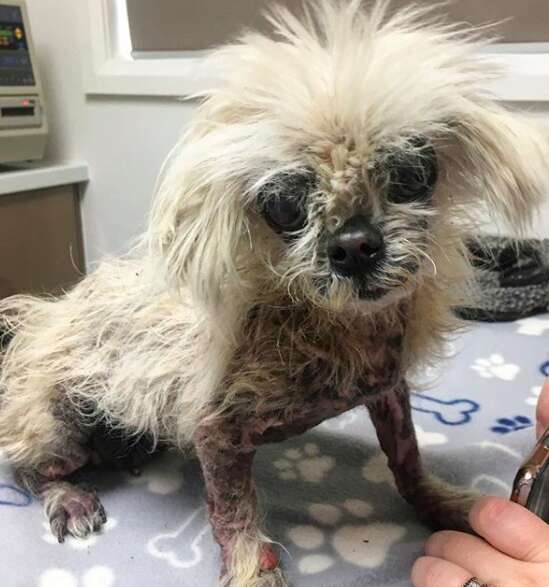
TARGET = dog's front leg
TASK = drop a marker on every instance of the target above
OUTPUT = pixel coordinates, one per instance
(435, 502)
(249, 558)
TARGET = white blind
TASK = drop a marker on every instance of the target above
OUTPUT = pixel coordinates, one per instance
(183, 25)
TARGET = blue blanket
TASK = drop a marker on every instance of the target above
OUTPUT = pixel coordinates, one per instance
(327, 496)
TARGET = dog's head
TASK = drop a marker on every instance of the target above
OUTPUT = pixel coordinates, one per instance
(340, 160)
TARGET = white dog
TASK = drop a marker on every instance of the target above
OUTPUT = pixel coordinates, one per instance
(302, 257)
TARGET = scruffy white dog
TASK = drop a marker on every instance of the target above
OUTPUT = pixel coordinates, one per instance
(302, 254)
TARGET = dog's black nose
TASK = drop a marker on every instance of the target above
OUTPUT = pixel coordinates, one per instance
(355, 247)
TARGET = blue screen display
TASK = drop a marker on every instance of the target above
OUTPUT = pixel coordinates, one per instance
(15, 62)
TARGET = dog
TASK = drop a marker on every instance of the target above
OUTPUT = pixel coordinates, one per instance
(303, 255)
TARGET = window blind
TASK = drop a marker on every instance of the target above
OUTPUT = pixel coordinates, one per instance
(183, 25)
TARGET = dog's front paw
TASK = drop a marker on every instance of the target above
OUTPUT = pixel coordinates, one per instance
(263, 579)
(251, 561)
(443, 507)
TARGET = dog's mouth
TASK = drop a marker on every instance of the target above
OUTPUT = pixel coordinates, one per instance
(369, 291)
(377, 284)
(371, 286)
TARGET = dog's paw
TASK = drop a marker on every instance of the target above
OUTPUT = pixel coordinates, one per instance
(73, 511)
(264, 579)
(443, 507)
(307, 464)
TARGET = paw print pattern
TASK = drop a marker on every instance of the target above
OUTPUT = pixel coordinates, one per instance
(163, 476)
(95, 577)
(361, 544)
(307, 464)
(377, 471)
(79, 543)
(507, 425)
(495, 366)
(532, 326)
(532, 400)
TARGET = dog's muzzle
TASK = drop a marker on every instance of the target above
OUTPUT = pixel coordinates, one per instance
(356, 248)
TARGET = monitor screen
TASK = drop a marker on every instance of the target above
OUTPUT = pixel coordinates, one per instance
(15, 61)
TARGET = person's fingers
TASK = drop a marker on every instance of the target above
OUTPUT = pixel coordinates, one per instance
(472, 553)
(511, 529)
(434, 572)
(542, 409)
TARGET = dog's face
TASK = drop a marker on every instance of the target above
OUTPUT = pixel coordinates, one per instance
(340, 162)
(353, 222)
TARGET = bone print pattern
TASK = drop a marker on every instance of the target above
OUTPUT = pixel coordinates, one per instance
(162, 537)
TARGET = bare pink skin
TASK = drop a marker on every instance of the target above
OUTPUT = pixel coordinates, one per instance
(62, 467)
(227, 448)
(392, 418)
(269, 558)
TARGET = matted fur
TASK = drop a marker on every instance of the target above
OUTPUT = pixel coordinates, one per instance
(161, 341)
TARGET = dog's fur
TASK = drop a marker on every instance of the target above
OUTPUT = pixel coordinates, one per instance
(222, 333)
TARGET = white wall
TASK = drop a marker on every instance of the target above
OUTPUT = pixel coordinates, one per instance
(123, 140)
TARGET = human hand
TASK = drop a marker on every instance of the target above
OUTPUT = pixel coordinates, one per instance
(542, 410)
(514, 552)
(512, 549)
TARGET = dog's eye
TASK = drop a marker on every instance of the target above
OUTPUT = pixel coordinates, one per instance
(284, 213)
(413, 174)
(283, 202)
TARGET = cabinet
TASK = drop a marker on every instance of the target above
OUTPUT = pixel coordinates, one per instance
(41, 248)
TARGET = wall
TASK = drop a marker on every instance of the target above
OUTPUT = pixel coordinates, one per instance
(124, 141)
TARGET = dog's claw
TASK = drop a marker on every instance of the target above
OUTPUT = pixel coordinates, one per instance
(102, 514)
(58, 525)
(77, 512)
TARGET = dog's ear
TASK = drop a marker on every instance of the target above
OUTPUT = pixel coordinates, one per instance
(504, 159)
(197, 224)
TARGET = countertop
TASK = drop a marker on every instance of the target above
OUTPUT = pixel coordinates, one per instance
(42, 175)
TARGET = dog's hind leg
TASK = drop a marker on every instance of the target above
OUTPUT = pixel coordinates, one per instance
(436, 503)
(47, 447)
(70, 509)
(249, 558)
